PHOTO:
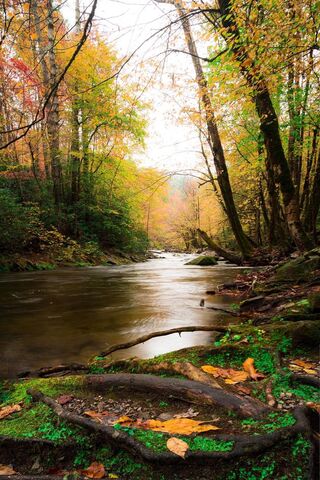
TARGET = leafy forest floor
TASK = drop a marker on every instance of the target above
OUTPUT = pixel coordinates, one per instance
(244, 407)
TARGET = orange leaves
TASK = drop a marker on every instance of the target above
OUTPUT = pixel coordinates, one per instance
(181, 426)
(6, 470)
(248, 366)
(6, 411)
(232, 376)
(177, 446)
(229, 375)
(95, 470)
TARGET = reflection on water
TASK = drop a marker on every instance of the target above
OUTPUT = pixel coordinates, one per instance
(68, 315)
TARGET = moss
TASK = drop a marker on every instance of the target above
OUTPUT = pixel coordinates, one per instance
(282, 383)
(40, 422)
(52, 387)
(158, 441)
(272, 422)
(209, 445)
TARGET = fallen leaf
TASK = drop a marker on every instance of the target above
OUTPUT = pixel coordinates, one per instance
(310, 371)
(64, 399)
(6, 411)
(248, 366)
(314, 406)
(229, 375)
(98, 416)
(112, 475)
(96, 470)
(177, 446)
(124, 420)
(303, 364)
(7, 470)
(243, 390)
(183, 426)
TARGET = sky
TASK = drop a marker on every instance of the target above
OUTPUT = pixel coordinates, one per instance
(127, 24)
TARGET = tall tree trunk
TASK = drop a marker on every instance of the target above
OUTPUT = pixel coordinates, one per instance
(53, 117)
(75, 129)
(244, 244)
(269, 126)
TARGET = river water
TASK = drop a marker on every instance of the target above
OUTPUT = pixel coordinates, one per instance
(71, 314)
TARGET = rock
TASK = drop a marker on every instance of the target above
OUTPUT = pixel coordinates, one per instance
(251, 303)
(303, 333)
(314, 302)
(298, 269)
(203, 260)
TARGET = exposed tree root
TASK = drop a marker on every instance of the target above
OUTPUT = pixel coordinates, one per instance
(161, 333)
(242, 444)
(306, 379)
(186, 369)
(59, 370)
(186, 390)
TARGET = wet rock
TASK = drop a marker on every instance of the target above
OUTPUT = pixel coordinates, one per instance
(314, 302)
(251, 303)
(203, 260)
(298, 269)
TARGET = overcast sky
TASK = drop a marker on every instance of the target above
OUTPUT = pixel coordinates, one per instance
(127, 25)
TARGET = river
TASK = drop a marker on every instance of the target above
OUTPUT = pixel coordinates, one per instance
(69, 315)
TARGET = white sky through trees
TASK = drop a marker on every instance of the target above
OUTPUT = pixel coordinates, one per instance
(164, 78)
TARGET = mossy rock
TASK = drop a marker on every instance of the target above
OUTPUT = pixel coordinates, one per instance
(298, 269)
(303, 333)
(314, 302)
(203, 260)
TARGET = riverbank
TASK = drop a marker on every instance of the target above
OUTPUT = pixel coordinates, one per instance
(242, 407)
(80, 257)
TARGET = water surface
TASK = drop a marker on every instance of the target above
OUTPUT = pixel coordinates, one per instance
(67, 315)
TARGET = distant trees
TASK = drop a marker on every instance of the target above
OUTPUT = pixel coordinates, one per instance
(272, 46)
(68, 129)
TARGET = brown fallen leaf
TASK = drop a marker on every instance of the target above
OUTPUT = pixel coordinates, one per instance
(95, 470)
(64, 399)
(303, 364)
(229, 375)
(177, 446)
(248, 366)
(124, 420)
(98, 416)
(182, 426)
(314, 406)
(7, 470)
(8, 410)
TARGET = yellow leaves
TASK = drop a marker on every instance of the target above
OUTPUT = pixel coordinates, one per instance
(302, 366)
(181, 426)
(177, 446)
(98, 416)
(6, 411)
(231, 376)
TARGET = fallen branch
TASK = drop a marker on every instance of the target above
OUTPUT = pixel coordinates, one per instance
(242, 444)
(161, 333)
(312, 380)
(224, 310)
(58, 370)
(230, 256)
(186, 390)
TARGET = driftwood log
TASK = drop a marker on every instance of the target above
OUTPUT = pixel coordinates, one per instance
(161, 333)
(242, 444)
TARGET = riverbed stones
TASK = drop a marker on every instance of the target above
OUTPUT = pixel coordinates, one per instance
(203, 260)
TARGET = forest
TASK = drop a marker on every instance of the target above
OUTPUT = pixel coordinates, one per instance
(135, 137)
